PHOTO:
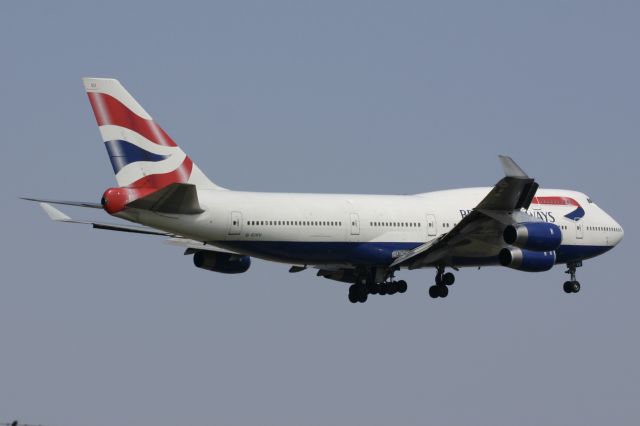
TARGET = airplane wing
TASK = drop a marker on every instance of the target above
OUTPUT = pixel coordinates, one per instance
(502, 206)
(56, 215)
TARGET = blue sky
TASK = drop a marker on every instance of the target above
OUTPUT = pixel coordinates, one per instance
(362, 97)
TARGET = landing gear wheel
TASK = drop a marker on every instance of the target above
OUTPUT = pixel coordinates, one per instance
(402, 286)
(357, 293)
(442, 281)
(392, 287)
(373, 288)
(443, 290)
(575, 287)
(448, 278)
(572, 286)
(434, 292)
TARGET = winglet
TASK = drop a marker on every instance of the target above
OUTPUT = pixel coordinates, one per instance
(511, 169)
(54, 214)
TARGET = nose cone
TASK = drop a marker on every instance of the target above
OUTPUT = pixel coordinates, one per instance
(618, 234)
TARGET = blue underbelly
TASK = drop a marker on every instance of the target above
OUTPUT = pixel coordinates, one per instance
(566, 254)
(323, 252)
(377, 253)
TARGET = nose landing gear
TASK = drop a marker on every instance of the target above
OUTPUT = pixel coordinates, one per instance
(572, 286)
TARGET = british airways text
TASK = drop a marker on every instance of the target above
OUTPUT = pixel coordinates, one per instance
(546, 216)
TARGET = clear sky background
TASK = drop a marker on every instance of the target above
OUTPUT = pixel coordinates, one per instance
(100, 328)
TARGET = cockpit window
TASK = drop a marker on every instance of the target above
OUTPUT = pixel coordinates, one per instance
(589, 200)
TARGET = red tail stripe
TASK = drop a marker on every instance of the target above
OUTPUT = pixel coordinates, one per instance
(565, 201)
(159, 181)
(109, 110)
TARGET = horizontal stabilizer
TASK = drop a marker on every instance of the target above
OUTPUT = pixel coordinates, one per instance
(66, 203)
(177, 198)
(54, 214)
(58, 216)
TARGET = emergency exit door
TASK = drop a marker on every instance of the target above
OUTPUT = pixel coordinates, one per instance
(235, 227)
(432, 230)
(355, 224)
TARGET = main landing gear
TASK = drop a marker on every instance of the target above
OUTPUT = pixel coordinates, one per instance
(443, 281)
(572, 286)
(359, 292)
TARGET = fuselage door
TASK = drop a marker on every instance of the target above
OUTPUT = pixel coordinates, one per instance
(235, 228)
(355, 224)
(579, 230)
(432, 231)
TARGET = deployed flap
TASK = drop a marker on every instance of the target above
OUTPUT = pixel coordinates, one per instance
(177, 198)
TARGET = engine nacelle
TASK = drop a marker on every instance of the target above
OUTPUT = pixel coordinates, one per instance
(216, 261)
(538, 236)
(527, 260)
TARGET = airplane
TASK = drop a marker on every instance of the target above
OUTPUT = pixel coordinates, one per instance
(361, 240)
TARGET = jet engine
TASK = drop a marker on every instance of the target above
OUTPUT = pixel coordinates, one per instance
(527, 260)
(537, 236)
(227, 263)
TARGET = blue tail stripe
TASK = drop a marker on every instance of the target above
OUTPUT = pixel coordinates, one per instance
(122, 153)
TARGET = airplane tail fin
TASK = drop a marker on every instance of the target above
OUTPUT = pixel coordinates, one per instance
(143, 155)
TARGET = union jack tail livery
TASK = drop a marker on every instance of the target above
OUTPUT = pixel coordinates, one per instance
(143, 156)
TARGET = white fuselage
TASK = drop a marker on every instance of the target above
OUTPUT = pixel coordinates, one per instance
(340, 229)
